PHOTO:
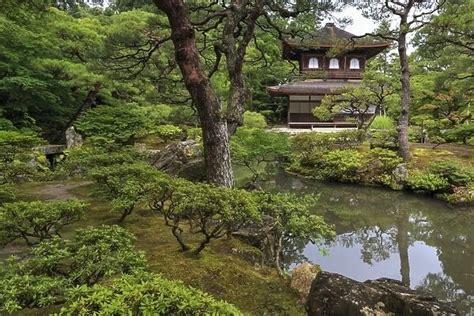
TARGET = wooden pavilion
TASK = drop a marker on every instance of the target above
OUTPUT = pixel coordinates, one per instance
(328, 61)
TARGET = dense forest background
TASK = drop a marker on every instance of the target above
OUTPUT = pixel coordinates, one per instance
(64, 58)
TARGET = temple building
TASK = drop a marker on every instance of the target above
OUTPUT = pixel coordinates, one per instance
(330, 60)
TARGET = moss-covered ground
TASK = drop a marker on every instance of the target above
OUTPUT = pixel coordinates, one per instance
(221, 270)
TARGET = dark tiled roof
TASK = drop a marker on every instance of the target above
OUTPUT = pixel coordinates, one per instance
(329, 37)
(310, 87)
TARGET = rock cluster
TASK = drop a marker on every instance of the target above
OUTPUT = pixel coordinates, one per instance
(333, 294)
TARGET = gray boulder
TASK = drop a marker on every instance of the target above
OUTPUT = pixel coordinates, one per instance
(334, 294)
(174, 157)
(73, 138)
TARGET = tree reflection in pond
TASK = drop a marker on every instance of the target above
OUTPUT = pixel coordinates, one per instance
(382, 233)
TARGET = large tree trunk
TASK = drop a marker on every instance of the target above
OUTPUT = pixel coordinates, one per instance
(404, 149)
(213, 122)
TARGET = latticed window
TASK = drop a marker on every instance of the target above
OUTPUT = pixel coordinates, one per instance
(313, 63)
(334, 63)
(354, 64)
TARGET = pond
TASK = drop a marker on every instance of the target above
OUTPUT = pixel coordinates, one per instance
(383, 233)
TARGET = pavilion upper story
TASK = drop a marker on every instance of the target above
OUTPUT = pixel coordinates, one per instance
(332, 53)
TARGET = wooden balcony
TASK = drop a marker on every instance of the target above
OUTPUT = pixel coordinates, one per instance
(332, 74)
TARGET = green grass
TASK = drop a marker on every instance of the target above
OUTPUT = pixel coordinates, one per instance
(221, 270)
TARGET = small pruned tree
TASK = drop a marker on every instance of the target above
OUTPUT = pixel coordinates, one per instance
(206, 210)
(251, 147)
(16, 152)
(363, 101)
(126, 185)
(288, 218)
(37, 221)
(56, 266)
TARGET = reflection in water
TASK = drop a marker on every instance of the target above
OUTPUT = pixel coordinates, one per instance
(382, 233)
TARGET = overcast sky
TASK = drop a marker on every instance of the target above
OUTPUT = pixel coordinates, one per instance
(360, 25)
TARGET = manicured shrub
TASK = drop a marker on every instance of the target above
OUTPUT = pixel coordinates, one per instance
(460, 133)
(386, 139)
(379, 166)
(37, 221)
(18, 161)
(250, 147)
(168, 132)
(183, 115)
(287, 219)
(126, 185)
(254, 120)
(7, 193)
(80, 161)
(383, 123)
(427, 182)
(194, 133)
(340, 165)
(158, 113)
(6, 125)
(452, 172)
(56, 265)
(305, 145)
(113, 124)
(415, 134)
(143, 294)
(208, 211)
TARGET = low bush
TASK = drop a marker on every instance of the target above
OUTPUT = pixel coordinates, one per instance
(126, 185)
(208, 211)
(113, 124)
(144, 294)
(169, 132)
(338, 165)
(18, 161)
(250, 147)
(37, 221)
(427, 182)
(305, 145)
(454, 173)
(194, 133)
(386, 139)
(7, 193)
(183, 115)
(460, 133)
(288, 219)
(254, 120)
(380, 164)
(80, 161)
(383, 123)
(56, 265)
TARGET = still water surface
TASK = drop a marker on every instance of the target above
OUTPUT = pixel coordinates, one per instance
(382, 233)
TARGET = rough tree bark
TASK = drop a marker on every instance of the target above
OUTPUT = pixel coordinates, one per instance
(234, 48)
(213, 122)
(403, 119)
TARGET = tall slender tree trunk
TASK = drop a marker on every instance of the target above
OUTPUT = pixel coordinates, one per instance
(404, 149)
(213, 122)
